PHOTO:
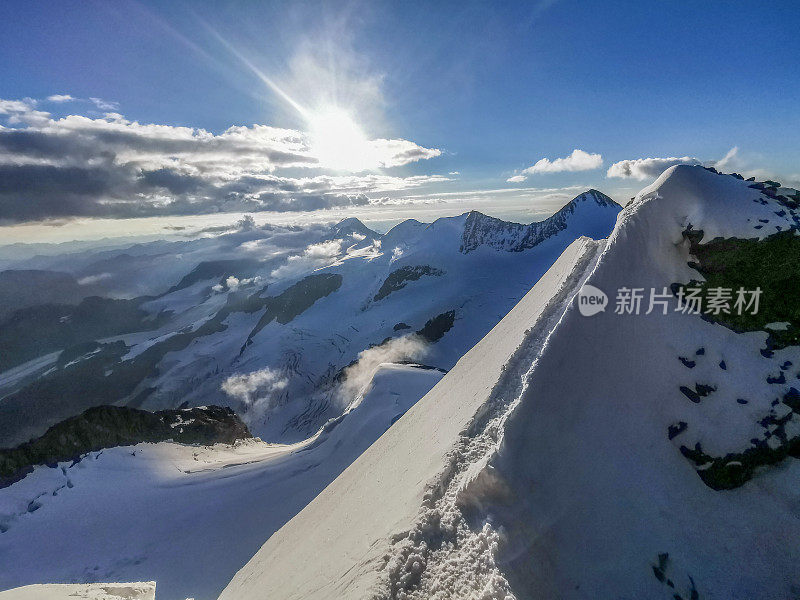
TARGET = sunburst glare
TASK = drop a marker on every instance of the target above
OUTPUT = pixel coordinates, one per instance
(339, 143)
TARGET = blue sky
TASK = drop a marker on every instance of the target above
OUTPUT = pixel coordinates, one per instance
(493, 87)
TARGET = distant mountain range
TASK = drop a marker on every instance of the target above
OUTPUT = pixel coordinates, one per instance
(296, 306)
(481, 435)
(319, 336)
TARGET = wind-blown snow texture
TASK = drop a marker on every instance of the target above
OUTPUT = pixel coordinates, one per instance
(541, 465)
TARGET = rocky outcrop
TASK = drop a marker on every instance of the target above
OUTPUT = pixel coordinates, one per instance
(109, 426)
(436, 327)
(296, 299)
(398, 279)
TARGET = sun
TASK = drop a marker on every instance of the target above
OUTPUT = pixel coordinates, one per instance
(339, 143)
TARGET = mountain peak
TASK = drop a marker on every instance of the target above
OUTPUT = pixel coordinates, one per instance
(599, 197)
(350, 222)
(591, 213)
(403, 233)
(353, 225)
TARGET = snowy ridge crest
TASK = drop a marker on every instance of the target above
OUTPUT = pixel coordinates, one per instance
(444, 556)
(480, 229)
(533, 479)
(454, 548)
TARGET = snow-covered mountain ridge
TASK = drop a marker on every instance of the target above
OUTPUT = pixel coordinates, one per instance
(547, 462)
(590, 208)
(302, 331)
(288, 305)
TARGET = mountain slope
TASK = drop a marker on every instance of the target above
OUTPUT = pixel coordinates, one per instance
(21, 288)
(383, 489)
(290, 345)
(550, 461)
(185, 516)
(300, 305)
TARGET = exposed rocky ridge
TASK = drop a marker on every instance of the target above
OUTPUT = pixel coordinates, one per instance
(398, 279)
(296, 299)
(481, 229)
(110, 426)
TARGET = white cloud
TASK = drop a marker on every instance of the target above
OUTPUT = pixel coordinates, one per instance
(104, 104)
(90, 279)
(579, 160)
(256, 388)
(359, 375)
(324, 250)
(60, 98)
(248, 281)
(264, 247)
(396, 153)
(233, 283)
(114, 167)
(22, 112)
(729, 161)
(9, 107)
(647, 168)
(313, 257)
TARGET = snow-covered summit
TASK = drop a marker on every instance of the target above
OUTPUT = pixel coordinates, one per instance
(558, 458)
(590, 213)
(403, 233)
(350, 226)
